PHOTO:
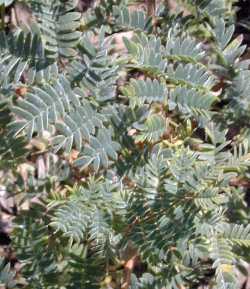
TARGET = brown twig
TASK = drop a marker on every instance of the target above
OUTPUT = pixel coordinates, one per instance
(151, 7)
(128, 269)
(239, 182)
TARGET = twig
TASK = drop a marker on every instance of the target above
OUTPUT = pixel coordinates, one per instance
(151, 7)
(128, 269)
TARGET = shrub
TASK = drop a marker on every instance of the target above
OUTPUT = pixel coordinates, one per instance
(124, 136)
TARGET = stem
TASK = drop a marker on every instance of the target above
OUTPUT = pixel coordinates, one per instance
(2, 8)
(128, 269)
(151, 6)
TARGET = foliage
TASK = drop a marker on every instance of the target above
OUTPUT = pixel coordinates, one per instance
(7, 277)
(118, 132)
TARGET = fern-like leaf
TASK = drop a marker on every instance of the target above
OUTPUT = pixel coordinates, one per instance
(98, 151)
(145, 91)
(7, 276)
(152, 130)
(131, 19)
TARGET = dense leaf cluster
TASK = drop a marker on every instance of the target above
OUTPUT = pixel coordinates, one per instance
(125, 138)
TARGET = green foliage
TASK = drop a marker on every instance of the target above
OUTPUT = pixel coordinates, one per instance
(180, 196)
(89, 212)
(117, 129)
(58, 26)
(20, 52)
(183, 49)
(7, 277)
(131, 20)
(6, 2)
(12, 150)
(145, 91)
(210, 8)
(152, 130)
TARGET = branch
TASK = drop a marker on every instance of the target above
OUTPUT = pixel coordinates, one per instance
(151, 7)
(128, 269)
